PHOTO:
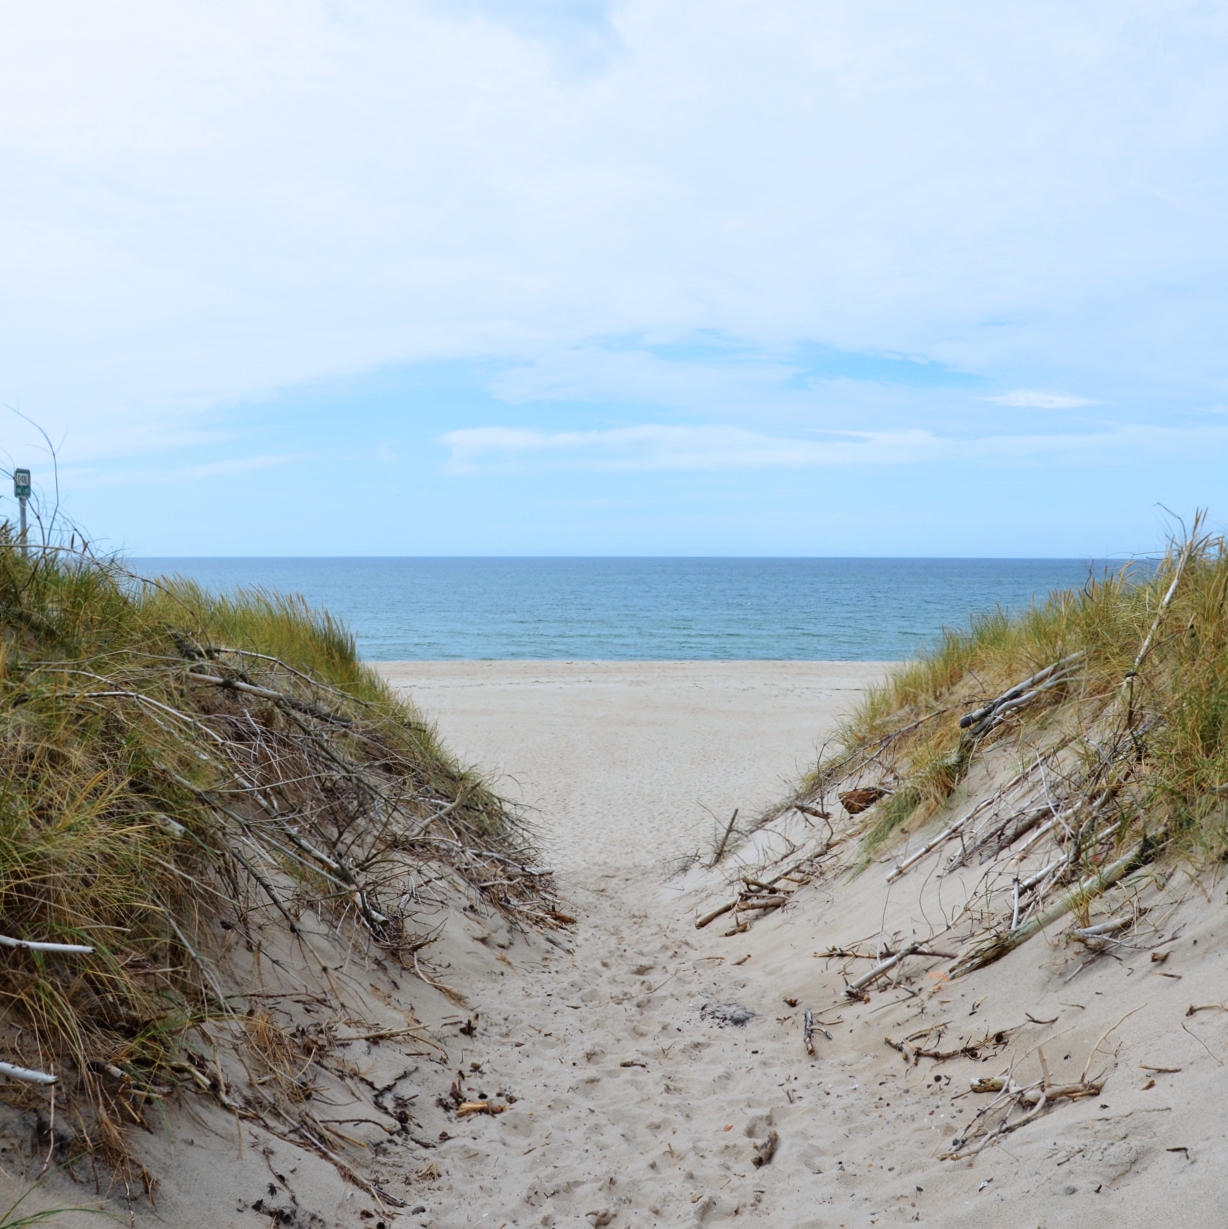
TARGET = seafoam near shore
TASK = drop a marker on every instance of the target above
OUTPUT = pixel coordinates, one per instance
(635, 763)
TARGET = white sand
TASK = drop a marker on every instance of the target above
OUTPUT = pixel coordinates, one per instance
(618, 757)
(634, 763)
(617, 760)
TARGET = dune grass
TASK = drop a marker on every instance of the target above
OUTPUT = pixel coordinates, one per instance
(1157, 717)
(175, 765)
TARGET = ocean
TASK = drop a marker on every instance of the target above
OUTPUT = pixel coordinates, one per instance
(644, 609)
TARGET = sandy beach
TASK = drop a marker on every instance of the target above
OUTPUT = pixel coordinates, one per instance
(640, 1103)
(634, 764)
(642, 1067)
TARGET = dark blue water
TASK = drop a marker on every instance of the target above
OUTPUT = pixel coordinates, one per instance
(578, 609)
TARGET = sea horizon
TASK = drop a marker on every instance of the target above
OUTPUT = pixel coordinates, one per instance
(702, 608)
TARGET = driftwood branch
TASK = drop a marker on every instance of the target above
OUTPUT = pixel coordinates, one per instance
(76, 949)
(25, 1074)
(978, 716)
(997, 946)
(758, 895)
(720, 849)
(1186, 551)
(854, 989)
(267, 693)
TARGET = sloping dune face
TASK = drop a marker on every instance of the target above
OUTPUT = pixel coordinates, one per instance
(866, 1012)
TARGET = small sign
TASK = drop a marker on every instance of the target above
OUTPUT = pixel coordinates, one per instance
(21, 483)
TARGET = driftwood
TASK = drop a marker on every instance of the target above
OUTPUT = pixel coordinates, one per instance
(756, 895)
(766, 1150)
(720, 849)
(62, 948)
(465, 1108)
(933, 844)
(854, 989)
(1186, 551)
(912, 1053)
(997, 946)
(1099, 936)
(1002, 836)
(981, 720)
(815, 813)
(25, 1074)
(1034, 1098)
(811, 1027)
(884, 966)
(958, 825)
(700, 923)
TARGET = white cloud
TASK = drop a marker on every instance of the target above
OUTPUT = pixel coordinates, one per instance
(658, 446)
(662, 446)
(92, 478)
(218, 198)
(1030, 399)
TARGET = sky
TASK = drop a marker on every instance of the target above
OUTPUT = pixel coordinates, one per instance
(681, 277)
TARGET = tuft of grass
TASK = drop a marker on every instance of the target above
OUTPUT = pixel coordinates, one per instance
(177, 765)
(1162, 727)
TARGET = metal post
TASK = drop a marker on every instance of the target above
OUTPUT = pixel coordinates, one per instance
(21, 489)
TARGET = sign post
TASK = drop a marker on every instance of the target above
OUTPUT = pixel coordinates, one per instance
(21, 489)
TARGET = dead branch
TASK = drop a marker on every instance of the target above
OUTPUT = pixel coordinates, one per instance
(998, 945)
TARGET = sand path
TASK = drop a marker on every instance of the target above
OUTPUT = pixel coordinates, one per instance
(625, 766)
(631, 764)
(635, 1106)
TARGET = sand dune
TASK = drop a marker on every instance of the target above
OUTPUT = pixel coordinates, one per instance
(637, 1105)
(632, 1094)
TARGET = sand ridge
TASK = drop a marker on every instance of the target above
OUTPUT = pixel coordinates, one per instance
(637, 1106)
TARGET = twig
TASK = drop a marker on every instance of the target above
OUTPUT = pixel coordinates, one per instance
(1104, 1035)
(720, 849)
(853, 989)
(766, 1150)
(25, 1074)
(988, 712)
(997, 946)
(63, 948)
(267, 693)
(809, 1031)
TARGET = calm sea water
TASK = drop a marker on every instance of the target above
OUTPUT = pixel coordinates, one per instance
(580, 609)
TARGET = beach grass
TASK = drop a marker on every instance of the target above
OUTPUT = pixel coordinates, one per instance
(1143, 693)
(177, 767)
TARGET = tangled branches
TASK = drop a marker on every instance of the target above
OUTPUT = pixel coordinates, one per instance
(178, 771)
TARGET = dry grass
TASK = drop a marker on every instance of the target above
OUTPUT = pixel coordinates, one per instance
(175, 768)
(1154, 741)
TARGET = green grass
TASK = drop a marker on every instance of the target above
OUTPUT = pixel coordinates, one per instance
(1168, 725)
(146, 799)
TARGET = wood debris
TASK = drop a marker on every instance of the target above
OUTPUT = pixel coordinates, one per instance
(973, 1049)
(854, 801)
(766, 1150)
(1014, 1106)
(465, 1108)
(756, 899)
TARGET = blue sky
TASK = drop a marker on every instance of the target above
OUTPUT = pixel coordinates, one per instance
(567, 276)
